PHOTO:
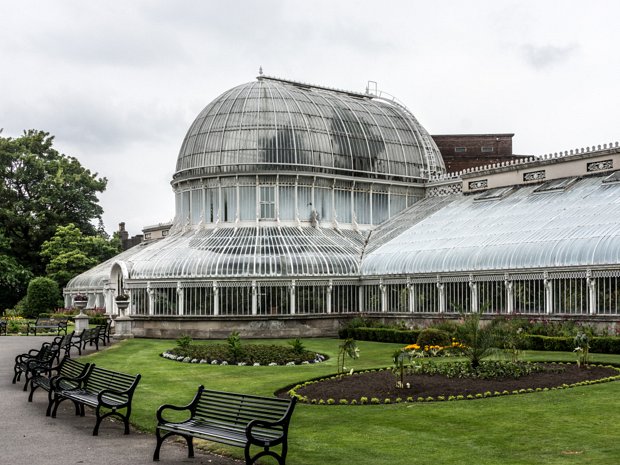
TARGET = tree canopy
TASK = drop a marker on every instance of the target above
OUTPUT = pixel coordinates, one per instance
(69, 253)
(41, 189)
(13, 276)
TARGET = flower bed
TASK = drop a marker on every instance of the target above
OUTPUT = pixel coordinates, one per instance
(380, 387)
(247, 355)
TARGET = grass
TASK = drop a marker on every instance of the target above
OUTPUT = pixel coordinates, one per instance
(571, 426)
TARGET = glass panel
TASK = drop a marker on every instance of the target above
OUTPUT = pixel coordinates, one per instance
(267, 203)
(379, 208)
(343, 205)
(362, 207)
(229, 204)
(323, 200)
(247, 203)
(197, 206)
(304, 199)
(286, 202)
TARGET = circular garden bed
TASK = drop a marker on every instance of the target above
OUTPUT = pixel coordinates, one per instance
(380, 386)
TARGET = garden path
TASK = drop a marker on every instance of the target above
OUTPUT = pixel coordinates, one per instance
(28, 436)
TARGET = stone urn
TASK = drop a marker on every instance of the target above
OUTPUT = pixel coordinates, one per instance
(122, 306)
(80, 303)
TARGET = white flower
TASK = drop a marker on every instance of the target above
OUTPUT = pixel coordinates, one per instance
(214, 362)
(224, 362)
(203, 361)
(273, 364)
(194, 360)
(305, 362)
(187, 360)
(290, 364)
(241, 364)
(180, 358)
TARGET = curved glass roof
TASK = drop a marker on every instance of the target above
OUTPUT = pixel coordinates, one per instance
(96, 277)
(258, 252)
(274, 124)
(523, 230)
(250, 251)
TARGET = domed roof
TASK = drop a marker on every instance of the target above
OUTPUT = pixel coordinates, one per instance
(273, 124)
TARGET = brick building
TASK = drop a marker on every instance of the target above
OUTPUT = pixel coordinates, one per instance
(462, 151)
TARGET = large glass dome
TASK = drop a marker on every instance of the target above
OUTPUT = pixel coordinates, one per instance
(273, 124)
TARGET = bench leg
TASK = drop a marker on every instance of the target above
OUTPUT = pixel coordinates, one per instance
(50, 402)
(161, 439)
(249, 459)
(32, 389)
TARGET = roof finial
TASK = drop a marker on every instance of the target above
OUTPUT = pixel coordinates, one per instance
(260, 70)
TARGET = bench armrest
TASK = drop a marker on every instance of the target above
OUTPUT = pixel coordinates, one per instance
(178, 408)
(125, 394)
(38, 365)
(191, 407)
(78, 380)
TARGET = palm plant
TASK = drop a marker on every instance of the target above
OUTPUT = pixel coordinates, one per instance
(477, 341)
(347, 348)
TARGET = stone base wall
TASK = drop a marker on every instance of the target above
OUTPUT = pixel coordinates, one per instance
(292, 326)
(248, 327)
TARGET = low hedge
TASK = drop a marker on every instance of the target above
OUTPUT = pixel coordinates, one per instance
(401, 336)
(598, 344)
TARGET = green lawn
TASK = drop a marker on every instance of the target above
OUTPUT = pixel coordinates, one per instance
(572, 426)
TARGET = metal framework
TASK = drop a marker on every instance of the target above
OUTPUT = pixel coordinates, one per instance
(294, 199)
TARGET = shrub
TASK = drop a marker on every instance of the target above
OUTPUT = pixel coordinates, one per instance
(234, 346)
(184, 341)
(264, 354)
(400, 336)
(478, 340)
(43, 296)
(433, 337)
(297, 346)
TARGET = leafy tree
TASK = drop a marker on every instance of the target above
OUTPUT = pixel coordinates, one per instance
(43, 297)
(70, 253)
(13, 276)
(41, 189)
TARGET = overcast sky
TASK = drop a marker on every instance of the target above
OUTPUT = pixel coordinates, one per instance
(118, 83)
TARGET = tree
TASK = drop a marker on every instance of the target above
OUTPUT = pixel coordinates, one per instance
(41, 189)
(14, 278)
(43, 297)
(69, 253)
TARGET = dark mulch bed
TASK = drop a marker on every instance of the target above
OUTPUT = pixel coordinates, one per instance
(382, 384)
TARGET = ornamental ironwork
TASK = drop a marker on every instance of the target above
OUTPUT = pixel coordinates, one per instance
(480, 184)
(600, 165)
(534, 176)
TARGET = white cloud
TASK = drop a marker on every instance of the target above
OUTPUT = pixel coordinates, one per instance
(118, 83)
(544, 56)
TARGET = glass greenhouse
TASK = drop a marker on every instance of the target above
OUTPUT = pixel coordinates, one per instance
(297, 201)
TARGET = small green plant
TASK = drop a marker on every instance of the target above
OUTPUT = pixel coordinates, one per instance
(184, 341)
(297, 346)
(347, 348)
(582, 348)
(477, 341)
(399, 358)
(234, 346)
